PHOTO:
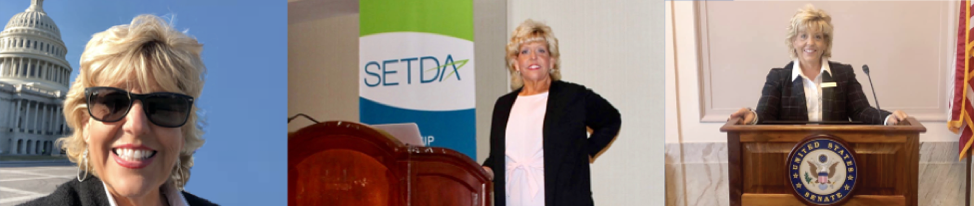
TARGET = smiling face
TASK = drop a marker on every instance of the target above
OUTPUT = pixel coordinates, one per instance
(133, 156)
(809, 44)
(534, 61)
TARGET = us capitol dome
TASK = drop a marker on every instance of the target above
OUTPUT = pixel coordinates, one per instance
(34, 79)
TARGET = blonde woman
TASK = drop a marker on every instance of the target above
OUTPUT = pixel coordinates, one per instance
(133, 115)
(539, 147)
(810, 87)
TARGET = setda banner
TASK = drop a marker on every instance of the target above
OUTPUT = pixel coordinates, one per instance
(416, 65)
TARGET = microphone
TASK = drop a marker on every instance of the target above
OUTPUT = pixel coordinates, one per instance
(302, 115)
(865, 69)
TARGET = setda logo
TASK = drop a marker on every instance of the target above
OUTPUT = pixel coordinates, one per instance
(421, 70)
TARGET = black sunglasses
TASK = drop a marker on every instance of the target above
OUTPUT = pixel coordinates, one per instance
(166, 109)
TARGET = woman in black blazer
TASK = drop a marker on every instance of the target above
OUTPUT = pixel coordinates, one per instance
(812, 88)
(538, 138)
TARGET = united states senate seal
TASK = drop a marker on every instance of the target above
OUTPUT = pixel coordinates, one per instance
(822, 170)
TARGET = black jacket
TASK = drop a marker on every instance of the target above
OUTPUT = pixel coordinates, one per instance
(570, 109)
(91, 192)
(783, 98)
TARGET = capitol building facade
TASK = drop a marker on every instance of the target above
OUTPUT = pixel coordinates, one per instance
(34, 78)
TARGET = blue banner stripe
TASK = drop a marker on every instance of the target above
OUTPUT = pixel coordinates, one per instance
(450, 129)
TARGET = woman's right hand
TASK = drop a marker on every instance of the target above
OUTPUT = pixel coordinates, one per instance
(745, 114)
(490, 172)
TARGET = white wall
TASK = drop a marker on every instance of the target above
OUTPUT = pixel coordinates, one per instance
(322, 79)
(490, 38)
(616, 49)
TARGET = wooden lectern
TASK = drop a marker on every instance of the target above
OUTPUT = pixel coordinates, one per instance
(346, 163)
(888, 156)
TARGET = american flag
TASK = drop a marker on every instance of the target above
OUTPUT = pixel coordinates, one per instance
(961, 108)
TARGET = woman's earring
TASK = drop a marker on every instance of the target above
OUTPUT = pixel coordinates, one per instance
(179, 172)
(551, 71)
(84, 160)
(518, 72)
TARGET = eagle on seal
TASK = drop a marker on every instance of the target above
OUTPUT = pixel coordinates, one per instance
(824, 174)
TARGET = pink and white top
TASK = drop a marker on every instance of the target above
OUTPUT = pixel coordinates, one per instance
(524, 154)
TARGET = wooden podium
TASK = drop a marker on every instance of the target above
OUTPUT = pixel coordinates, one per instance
(346, 163)
(888, 159)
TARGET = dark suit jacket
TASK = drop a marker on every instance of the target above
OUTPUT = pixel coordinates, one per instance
(91, 192)
(783, 98)
(570, 108)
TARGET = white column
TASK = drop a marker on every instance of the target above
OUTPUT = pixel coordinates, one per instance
(13, 113)
(41, 115)
(40, 70)
(57, 121)
(31, 67)
(26, 124)
(20, 62)
(46, 126)
(33, 124)
(17, 121)
(60, 74)
(10, 113)
(43, 67)
(28, 116)
(27, 67)
(45, 122)
(36, 67)
(6, 64)
(34, 117)
(48, 118)
(51, 122)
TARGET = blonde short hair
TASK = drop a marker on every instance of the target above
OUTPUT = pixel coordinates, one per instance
(810, 18)
(532, 31)
(146, 48)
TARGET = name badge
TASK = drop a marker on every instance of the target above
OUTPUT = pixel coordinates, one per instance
(828, 84)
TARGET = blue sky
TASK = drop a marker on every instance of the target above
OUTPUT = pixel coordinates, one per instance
(244, 160)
